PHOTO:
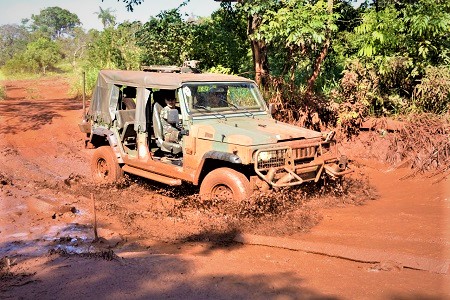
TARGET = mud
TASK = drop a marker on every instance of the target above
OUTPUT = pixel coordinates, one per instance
(70, 238)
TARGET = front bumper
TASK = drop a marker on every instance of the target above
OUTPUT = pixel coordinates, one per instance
(287, 166)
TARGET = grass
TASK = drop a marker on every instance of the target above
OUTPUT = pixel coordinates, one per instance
(20, 76)
(2, 87)
(63, 69)
(2, 92)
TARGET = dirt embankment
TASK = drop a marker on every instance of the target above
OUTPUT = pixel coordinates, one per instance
(157, 242)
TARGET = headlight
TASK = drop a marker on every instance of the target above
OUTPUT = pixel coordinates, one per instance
(265, 156)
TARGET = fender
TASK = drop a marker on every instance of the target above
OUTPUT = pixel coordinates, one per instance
(216, 155)
(112, 140)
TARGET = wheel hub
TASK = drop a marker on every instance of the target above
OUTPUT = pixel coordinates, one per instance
(102, 168)
(222, 192)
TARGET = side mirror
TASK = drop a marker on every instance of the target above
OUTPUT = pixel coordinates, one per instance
(272, 109)
(172, 117)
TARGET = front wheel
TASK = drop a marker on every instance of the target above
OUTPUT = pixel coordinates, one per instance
(225, 184)
(104, 166)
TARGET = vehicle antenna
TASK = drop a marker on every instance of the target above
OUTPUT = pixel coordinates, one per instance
(84, 95)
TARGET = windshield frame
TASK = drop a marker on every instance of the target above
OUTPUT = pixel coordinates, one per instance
(228, 109)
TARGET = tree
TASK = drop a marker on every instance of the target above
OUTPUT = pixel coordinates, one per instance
(106, 17)
(401, 43)
(39, 55)
(55, 21)
(43, 53)
(305, 28)
(74, 49)
(13, 39)
(115, 48)
(130, 3)
(166, 39)
(221, 40)
(255, 11)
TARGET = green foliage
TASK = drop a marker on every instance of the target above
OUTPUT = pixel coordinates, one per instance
(76, 88)
(298, 23)
(221, 41)
(361, 92)
(13, 39)
(115, 48)
(387, 57)
(131, 3)
(106, 17)
(378, 33)
(112, 48)
(433, 93)
(39, 56)
(166, 39)
(419, 30)
(219, 70)
(427, 36)
(299, 34)
(399, 44)
(74, 49)
(55, 21)
(2, 92)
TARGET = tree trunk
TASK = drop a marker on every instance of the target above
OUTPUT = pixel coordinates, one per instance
(259, 52)
(323, 53)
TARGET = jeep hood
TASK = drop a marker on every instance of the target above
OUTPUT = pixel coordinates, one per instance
(249, 131)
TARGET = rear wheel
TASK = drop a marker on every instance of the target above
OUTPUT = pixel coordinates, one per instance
(225, 184)
(104, 166)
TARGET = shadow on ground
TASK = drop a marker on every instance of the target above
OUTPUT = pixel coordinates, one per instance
(144, 276)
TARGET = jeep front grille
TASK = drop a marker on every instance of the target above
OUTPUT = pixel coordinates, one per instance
(275, 158)
(306, 152)
(271, 158)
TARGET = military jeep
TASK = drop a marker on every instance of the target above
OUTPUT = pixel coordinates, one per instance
(230, 145)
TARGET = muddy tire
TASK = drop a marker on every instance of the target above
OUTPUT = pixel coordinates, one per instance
(104, 166)
(225, 184)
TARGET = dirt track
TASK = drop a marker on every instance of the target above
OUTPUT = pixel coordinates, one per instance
(166, 247)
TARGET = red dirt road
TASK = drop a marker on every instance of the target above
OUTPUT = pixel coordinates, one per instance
(46, 227)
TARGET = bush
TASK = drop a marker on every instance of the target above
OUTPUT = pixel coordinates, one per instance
(356, 96)
(77, 86)
(19, 65)
(433, 93)
(2, 92)
(219, 70)
(38, 57)
(295, 107)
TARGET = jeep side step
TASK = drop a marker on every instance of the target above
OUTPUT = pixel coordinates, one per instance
(153, 176)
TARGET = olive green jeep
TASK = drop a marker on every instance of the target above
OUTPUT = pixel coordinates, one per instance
(229, 143)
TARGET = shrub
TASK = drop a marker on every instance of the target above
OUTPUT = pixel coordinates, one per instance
(2, 92)
(433, 93)
(219, 70)
(38, 57)
(91, 78)
(295, 107)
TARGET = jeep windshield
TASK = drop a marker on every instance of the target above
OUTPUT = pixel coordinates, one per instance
(223, 98)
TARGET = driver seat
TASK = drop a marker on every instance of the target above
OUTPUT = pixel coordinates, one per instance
(169, 147)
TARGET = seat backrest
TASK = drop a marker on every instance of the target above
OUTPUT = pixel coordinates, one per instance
(156, 118)
(129, 103)
(124, 116)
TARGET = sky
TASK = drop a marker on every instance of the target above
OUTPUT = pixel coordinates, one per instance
(13, 11)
